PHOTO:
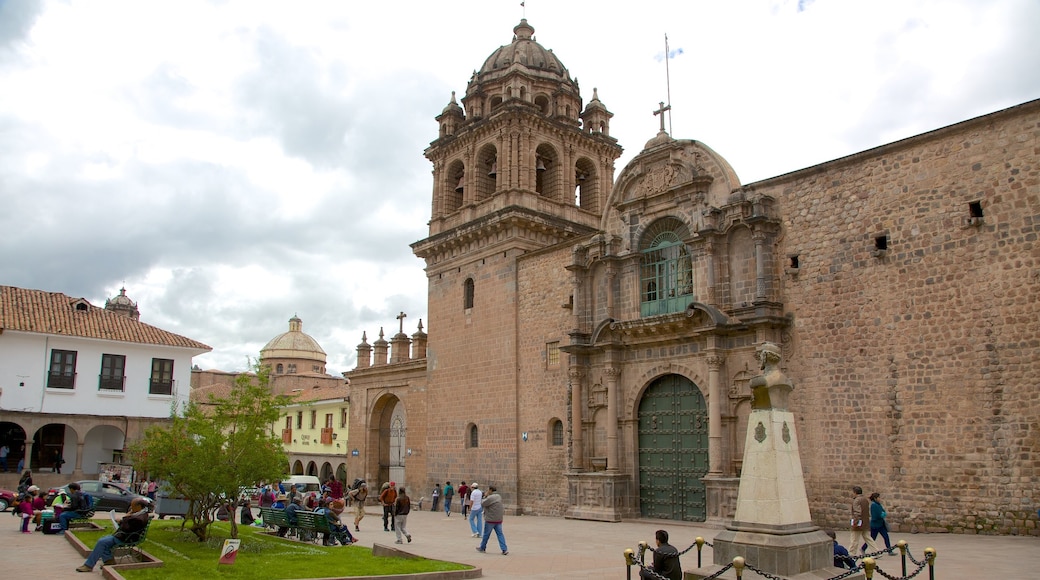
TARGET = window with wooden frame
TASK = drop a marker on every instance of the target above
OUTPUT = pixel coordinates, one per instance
(161, 382)
(63, 370)
(112, 377)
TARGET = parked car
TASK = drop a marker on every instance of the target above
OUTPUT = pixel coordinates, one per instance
(107, 495)
(6, 498)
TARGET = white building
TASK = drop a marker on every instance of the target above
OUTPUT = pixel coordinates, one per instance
(77, 381)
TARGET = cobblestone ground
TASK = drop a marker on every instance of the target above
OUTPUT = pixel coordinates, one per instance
(554, 548)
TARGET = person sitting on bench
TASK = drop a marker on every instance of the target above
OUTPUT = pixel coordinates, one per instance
(131, 524)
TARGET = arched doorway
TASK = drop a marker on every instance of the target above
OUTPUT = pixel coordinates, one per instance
(673, 450)
(297, 468)
(326, 472)
(341, 472)
(312, 468)
(13, 436)
(397, 444)
(54, 448)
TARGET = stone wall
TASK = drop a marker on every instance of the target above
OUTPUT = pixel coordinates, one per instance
(914, 366)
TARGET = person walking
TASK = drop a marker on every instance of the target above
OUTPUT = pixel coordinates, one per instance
(666, 560)
(860, 523)
(436, 495)
(494, 513)
(463, 498)
(387, 497)
(877, 521)
(449, 493)
(476, 514)
(358, 495)
(402, 506)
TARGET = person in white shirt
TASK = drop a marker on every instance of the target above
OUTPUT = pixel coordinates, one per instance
(476, 511)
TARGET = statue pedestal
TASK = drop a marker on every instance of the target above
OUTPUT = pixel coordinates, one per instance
(772, 528)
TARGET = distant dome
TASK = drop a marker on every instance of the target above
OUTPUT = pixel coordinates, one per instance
(122, 304)
(525, 51)
(294, 344)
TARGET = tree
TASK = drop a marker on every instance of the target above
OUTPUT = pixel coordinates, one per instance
(217, 446)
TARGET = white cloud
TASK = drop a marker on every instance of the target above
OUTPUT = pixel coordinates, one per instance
(239, 162)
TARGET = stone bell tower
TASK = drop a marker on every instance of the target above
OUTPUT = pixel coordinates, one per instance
(517, 167)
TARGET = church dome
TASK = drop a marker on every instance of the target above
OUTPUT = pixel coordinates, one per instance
(526, 52)
(294, 344)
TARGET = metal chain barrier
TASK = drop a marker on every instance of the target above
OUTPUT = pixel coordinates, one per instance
(867, 563)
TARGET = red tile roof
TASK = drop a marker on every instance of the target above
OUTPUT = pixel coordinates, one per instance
(55, 313)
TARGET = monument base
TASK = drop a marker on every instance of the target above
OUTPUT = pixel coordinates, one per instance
(776, 553)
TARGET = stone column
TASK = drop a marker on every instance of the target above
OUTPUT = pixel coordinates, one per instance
(760, 265)
(612, 375)
(78, 472)
(714, 414)
(611, 277)
(709, 265)
(576, 377)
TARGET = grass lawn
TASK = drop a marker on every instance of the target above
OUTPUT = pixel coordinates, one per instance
(260, 556)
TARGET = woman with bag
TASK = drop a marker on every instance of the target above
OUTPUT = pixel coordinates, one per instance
(877, 521)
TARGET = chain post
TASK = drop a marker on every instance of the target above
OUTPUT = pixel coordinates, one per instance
(901, 544)
(642, 552)
(738, 565)
(929, 555)
(700, 544)
(868, 567)
(629, 562)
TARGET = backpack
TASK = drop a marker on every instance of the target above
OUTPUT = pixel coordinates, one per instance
(88, 501)
(357, 483)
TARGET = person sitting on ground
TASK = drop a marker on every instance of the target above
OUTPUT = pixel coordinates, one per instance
(77, 507)
(290, 515)
(132, 523)
(223, 512)
(842, 559)
(340, 532)
(246, 515)
(666, 560)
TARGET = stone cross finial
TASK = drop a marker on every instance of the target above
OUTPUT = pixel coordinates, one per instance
(660, 111)
(400, 318)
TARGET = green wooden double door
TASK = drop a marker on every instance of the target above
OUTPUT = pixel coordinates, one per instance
(673, 450)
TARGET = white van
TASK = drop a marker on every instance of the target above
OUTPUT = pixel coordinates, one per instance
(303, 483)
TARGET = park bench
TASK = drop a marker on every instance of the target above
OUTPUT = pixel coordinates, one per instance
(274, 517)
(129, 550)
(84, 517)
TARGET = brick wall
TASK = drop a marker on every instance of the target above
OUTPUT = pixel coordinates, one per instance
(914, 368)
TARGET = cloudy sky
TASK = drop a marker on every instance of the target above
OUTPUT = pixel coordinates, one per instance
(236, 162)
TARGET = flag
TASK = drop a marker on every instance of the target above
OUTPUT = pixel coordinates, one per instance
(671, 54)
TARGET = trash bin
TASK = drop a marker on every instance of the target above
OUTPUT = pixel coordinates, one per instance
(167, 505)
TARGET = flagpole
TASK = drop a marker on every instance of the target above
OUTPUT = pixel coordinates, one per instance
(668, 82)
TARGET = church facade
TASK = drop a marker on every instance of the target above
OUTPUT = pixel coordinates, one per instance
(592, 340)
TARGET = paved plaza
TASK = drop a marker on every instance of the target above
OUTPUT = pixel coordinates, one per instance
(556, 548)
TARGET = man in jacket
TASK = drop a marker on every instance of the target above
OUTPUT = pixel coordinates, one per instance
(860, 523)
(388, 497)
(77, 506)
(494, 512)
(131, 524)
(666, 559)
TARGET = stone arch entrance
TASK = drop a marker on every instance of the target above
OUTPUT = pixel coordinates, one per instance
(389, 420)
(673, 450)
